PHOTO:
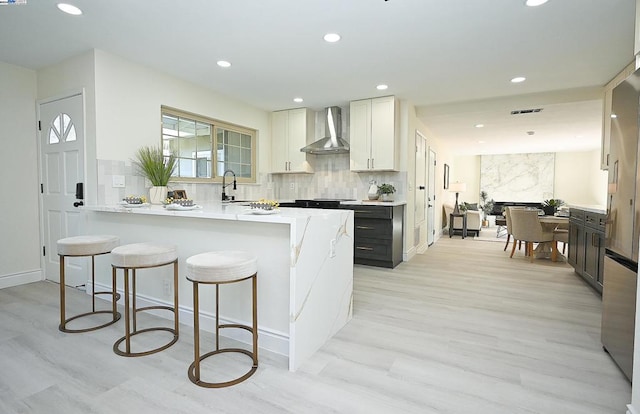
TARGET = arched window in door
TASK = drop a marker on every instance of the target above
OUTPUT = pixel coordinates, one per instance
(62, 129)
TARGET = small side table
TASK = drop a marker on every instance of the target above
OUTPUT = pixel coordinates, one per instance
(464, 224)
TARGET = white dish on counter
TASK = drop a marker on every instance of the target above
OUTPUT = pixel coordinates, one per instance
(261, 211)
(178, 207)
(127, 205)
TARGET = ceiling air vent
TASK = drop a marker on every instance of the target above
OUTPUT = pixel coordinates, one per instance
(525, 111)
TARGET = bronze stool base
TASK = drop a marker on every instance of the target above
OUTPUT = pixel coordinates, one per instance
(194, 369)
(115, 297)
(130, 313)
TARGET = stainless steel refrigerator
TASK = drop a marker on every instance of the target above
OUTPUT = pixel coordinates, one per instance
(623, 226)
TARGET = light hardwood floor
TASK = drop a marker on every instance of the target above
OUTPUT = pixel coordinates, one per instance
(459, 329)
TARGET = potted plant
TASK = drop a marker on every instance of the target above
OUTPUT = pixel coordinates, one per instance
(486, 205)
(551, 206)
(386, 192)
(152, 164)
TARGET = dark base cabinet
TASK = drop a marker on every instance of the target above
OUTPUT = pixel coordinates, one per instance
(586, 246)
(378, 235)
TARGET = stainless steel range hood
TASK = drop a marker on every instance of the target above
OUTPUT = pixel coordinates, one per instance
(332, 144)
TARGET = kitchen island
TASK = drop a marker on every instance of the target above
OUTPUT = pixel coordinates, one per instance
(305, 270)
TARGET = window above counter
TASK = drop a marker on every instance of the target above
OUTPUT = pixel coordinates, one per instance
(206, 147)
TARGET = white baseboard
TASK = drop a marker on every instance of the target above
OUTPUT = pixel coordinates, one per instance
(22, 278)
(631, 410)
(270, 340)
(409, 254)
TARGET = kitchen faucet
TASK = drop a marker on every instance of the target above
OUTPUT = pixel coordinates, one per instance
(224, 185)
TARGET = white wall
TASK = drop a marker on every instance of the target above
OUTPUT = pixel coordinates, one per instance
(128, 101)
(578, 178)
(20, 244)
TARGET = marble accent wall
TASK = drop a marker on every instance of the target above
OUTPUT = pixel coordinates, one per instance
(518, 177)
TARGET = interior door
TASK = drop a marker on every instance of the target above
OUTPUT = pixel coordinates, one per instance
(62, 168)
(421, 180)
(431, 198)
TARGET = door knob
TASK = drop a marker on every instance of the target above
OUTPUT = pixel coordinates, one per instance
(421, 187)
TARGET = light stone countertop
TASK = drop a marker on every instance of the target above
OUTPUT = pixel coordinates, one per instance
(373, 203)
(589, 208)
(218, 211)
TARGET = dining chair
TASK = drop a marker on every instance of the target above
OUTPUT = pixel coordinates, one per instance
(561, 234)
(507, 216)
(527, 228)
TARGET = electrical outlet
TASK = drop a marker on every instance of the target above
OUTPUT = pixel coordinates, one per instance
(332, 248)
(292, 186)
(117, 181)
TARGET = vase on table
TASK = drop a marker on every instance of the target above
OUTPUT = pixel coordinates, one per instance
(157, 194)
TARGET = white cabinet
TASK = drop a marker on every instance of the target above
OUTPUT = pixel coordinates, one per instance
(606, 113)
(373, 134)
(290, 131)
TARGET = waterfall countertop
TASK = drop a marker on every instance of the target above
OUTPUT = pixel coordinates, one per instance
(234, 211)
(305, 265)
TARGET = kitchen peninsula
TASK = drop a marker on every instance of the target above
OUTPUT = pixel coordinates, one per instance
(305, 269)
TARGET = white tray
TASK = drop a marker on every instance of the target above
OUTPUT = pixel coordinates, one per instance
(127, 205)
(263, 212)
(178, 207)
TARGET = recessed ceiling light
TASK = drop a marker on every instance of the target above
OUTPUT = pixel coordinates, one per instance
(223, 63)
(481, 142)
(69, 9)
(331, 37)
(534, 3)
(298, 100)
(614, 116)
(479, 125)
(518, 79)
(382, 87)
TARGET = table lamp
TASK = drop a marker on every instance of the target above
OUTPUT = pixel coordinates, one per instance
(458, 188)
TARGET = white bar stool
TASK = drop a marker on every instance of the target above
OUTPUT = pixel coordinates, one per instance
(143, 256)
(218, 268)
(83, 246)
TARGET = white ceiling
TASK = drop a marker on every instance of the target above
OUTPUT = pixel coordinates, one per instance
(452, 59)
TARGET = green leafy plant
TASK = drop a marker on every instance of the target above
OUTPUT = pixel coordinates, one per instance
(553, 202)
(386, 189)
(155, 166)
(486, 204)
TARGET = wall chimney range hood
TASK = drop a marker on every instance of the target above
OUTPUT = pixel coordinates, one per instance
(332, 144)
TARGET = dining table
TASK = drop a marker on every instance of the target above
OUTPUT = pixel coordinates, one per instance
(547, 250)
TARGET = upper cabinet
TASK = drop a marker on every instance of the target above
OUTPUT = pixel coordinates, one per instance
(290, 131)
(606, 113)
(373, 134)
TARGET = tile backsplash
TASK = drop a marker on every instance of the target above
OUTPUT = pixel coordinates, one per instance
(331, 179)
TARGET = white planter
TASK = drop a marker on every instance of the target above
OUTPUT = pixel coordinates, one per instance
(157, 195)
(386, 197)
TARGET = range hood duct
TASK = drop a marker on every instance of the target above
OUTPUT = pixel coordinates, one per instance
(331, 144)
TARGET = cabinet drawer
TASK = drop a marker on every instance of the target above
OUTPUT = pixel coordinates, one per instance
(595, 221)
(372, 249)
(576, 215)
(372, 212)
(373, 229)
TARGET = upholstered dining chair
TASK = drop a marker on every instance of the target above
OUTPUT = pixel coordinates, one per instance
(561, 234)
(527, 228)
(507, 216)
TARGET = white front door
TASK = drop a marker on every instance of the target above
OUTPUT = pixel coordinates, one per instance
(431, 199)
(61, 138)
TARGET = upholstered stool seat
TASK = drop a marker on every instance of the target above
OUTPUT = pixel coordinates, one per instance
(84, 246)
(220, 268)
(143, 256)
